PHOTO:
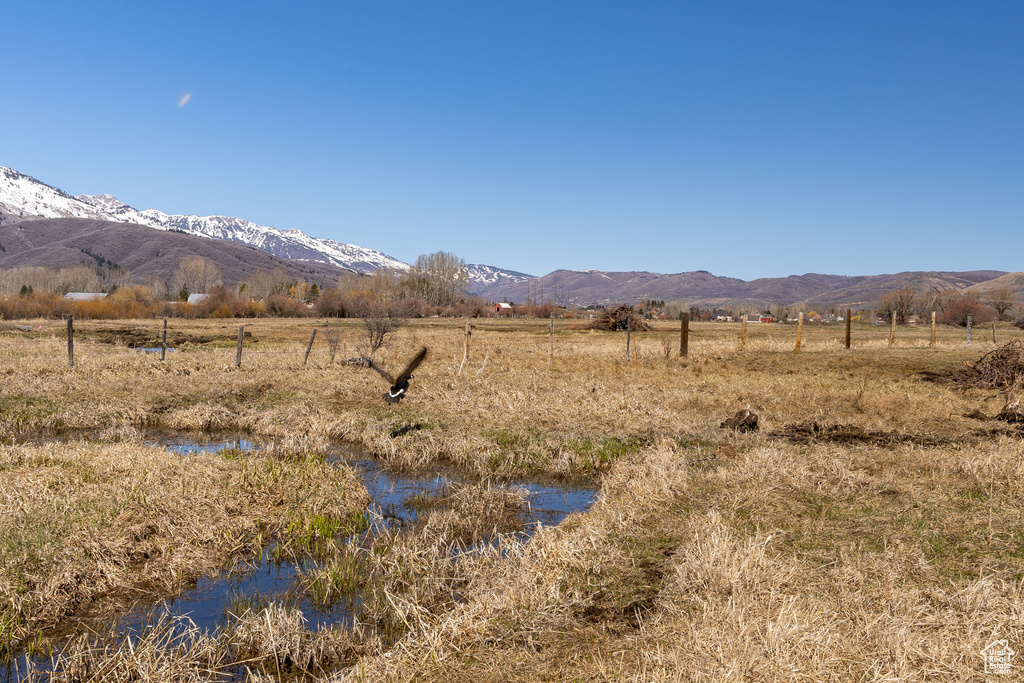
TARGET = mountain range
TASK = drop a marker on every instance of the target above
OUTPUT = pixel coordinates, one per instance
(43, 225)
(703, 289)
(148, 254)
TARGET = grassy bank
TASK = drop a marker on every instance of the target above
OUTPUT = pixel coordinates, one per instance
(90, 527)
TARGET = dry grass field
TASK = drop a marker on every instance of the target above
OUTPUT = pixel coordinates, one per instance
(870, 529)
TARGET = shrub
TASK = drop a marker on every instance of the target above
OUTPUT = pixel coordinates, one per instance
(331, 303)
(281, 306)
(968, 304)
(220, 302)
(33, 305)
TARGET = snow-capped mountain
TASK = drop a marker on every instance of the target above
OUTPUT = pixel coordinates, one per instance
(290, 244)
(483, 277)
(22, 197)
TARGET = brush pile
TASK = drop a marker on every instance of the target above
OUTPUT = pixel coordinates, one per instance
(618, 319)
(999, 369)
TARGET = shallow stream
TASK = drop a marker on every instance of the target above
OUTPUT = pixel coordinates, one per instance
(270, 579)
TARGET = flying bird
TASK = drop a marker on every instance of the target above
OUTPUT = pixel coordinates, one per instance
(400, 384)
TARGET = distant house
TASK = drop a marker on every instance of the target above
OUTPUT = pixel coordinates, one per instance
(197, 298)
(723, 318)
(84, 296)
(502, 308)
(765, 319)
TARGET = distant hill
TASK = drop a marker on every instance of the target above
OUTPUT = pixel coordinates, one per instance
(1012, 281)
(147, 253)
(866, 290)
(704, 289)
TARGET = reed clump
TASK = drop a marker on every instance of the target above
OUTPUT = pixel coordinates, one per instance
(170, 649)
(270, 643)
(471, 513)
(275, 640)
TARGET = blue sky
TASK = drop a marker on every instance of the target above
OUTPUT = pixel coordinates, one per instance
(750, 139)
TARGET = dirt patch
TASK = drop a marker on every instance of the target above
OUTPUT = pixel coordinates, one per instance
(807, 432)
(624, 604)
(136, 337)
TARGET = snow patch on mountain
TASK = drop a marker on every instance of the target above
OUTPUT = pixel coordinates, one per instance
(482, 276)
(24, 197)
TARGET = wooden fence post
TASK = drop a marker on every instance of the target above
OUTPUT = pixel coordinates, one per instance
(743, 333)
(628, 326)
(469, 331)
(238, 350)
(892, 330)
(933, 329)
(684, 336)
(163, 343)
(969, 320)
(994, 335)
(71, 340)
(847, 328)
(551, 339)
(799, 330)
(309, 346)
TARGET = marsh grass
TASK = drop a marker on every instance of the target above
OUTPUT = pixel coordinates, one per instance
(709, 555)
(275, 640)
(83, 523)
(831, 563)
(401, 579)
(269, 641)
(471, 513)
(170, 649)
(320, 535)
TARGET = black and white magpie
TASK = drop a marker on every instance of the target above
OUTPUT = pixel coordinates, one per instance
(400, 384)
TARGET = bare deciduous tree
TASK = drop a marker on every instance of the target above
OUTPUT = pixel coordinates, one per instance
(262, 284)
(937, 300)
(159, 289)
(196, 275)
(899, 303)
(440, 278)
(80, 278)
(333, 336)
(380, 320)
(1001, 299)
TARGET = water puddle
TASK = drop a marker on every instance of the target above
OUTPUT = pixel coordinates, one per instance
(153, 349)
(397, 501)
(190, 445)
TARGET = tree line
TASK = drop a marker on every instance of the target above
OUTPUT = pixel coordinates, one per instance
(952, 306)
(435, 285)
